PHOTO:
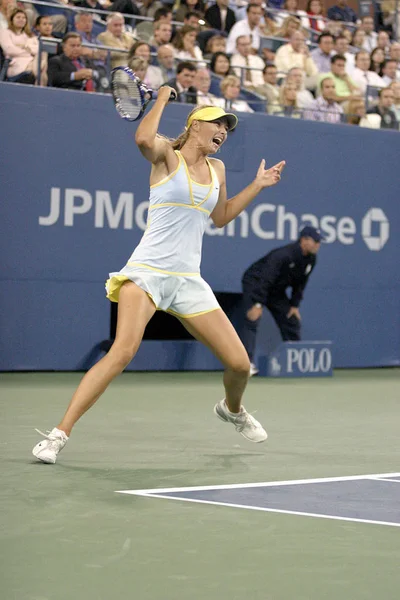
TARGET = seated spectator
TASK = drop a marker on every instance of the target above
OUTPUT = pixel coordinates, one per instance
(149, 74)
(141, 49)
(183, 83)
(249, 26)
(154, 77)
(289, 27)
(230, 90)
(355, 111)
(383, 42)
(219, 16)
(290, 7)
(68, 70)
(323, 53)
(43, 26)
(194, 19)
(123, 6)
(358, 39)
(395, 87)
(341, 46)
(356, 115)
(84, 26)
(314, 19)
(287, 106)
(244, 58)
(362, 76)
(377, 60)
(186, 6)
(387, 11)
(220, 64)
(345, 87)
(324, 108)
(371, 37)
(269, 89)
(395, 55)
(342, 12)
(297, 54)
(163, 15)
(162, 34)
(6, 8)
(116, 37)
(389, 72)
(139, 66)
(336, 28)
(149, 8)
(166, 62)
(21, 46)
(202, 83)
(304, 97)
(388, 117)
(185, 45)
(216, 43)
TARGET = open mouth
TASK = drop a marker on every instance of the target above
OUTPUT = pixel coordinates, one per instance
(218, 140)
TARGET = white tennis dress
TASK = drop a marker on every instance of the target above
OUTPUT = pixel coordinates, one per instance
(166, 263)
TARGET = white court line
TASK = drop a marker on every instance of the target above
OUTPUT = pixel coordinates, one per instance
(384, 479)
(273, 510)
(234, 486)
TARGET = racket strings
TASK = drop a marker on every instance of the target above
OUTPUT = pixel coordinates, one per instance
(127, 95)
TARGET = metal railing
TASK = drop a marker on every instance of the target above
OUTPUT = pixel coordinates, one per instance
(77, 9)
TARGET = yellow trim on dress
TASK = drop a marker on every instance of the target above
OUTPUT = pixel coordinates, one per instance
(171, 175)
(190, 181)
(135, 264)
(113, 286)
(195, 207)
(203, 312)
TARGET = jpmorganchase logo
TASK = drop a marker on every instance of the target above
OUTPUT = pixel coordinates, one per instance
(266, 221)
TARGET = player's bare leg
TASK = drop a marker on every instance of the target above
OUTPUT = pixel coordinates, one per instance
(135, 310)
(216, 331)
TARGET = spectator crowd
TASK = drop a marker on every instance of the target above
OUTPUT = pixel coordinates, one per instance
(329, 66)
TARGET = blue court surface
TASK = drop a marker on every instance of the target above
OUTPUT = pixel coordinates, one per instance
(371, 499)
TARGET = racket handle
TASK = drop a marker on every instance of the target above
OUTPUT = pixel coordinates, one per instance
(173, 95)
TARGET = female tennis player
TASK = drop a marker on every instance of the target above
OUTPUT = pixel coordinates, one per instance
(186, 187)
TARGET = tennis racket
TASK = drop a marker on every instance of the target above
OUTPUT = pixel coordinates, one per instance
(130, 94)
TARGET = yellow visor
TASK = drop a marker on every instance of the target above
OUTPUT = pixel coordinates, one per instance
(213, 113)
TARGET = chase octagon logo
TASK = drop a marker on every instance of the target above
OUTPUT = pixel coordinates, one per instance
(375, 240)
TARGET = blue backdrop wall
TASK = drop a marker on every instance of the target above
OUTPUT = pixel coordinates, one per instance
(73, 206)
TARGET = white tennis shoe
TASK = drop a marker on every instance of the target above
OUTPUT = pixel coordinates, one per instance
(253, 370)
(48, 449)
(244, 423)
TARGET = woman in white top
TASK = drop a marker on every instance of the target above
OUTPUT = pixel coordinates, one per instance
(185, 45)
(22, 47)
(230, 89)
(186, 188)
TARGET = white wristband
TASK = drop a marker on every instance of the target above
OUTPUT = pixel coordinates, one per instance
(258, 305)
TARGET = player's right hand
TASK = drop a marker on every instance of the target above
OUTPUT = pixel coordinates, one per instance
(164, 93)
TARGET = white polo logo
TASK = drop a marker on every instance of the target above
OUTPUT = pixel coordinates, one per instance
(375, 216)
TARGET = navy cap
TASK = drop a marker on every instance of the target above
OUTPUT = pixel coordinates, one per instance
(311, 232)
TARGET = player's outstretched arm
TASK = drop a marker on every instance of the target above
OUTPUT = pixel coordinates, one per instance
(153, 147)
(227, 210)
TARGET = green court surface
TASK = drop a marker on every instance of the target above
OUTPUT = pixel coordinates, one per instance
(67, 535)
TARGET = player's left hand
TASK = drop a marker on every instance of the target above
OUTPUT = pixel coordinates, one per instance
(268, 177)
(294, 312)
